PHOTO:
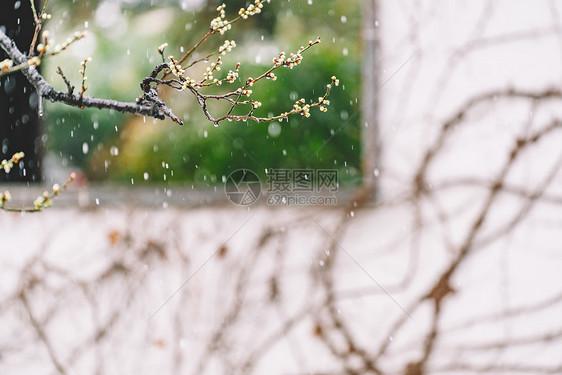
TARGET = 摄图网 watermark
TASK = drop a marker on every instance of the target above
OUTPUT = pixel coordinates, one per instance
(284, 187)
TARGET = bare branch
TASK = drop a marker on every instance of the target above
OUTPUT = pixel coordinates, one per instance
(147, 106)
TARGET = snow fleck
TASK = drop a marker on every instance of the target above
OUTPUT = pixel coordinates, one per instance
(274, 129)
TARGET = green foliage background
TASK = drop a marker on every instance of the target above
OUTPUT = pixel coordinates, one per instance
(111, 146)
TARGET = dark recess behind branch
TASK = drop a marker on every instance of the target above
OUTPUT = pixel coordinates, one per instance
(20, 126)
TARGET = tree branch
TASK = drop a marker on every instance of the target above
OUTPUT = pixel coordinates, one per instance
(147, 105)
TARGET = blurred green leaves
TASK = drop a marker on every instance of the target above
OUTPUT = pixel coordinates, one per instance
(124, 147)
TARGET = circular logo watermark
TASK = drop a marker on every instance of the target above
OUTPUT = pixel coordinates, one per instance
(242, 187)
